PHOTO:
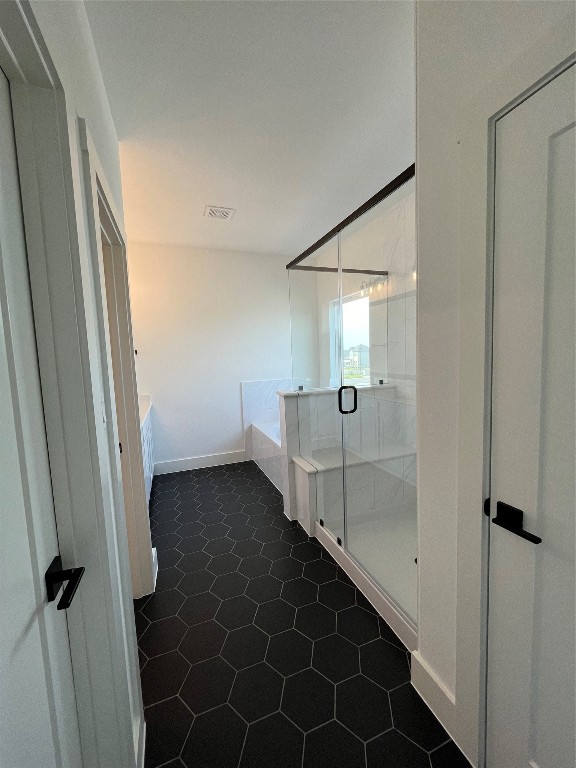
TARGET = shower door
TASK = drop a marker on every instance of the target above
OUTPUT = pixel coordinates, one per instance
(377, 260)
(353, 310)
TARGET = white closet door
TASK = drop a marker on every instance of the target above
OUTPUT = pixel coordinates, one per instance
(531, 648)
(38, 720)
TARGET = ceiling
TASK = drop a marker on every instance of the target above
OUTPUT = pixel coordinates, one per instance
(293, 113)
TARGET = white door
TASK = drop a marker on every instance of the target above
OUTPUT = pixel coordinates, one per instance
(532, 591)
(38, 720)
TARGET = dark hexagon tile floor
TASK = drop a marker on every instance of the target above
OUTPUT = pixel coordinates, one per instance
(256, 649)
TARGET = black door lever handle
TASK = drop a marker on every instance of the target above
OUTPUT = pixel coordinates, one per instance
(56, 576)
(512, 519)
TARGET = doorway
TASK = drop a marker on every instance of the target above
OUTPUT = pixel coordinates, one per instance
(531, 689)
(117, 364)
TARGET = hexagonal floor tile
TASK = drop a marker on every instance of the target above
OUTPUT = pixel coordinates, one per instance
(215, 531)
(264, 588)
(413, 718)
(268, 534)
(274, 741)
(162, 677)
(190, 529)
(294, 535)
(236, 612)
(394, 749)
(197, 561)
(219, 546)
(384, 664)
(280, 519)
(299, 592)
(308, 700)
(163, 604)
(275, 616)
(196, 582)
(208, 685)
(247, 548)
(168, 558)
(333, 745)
(213, 516)
(162, 636)
(192, 544)
(142, 624)
(224, 563)
(245, 646)
(205, 747)
(357, 625)
(363, 707)
(167, 725)
(235, 514)
(387, 634)
(229, 585)
(286, 569)
(168, 578)
(159, 528)
(202, 641)
(256, 692)
(258, 520)
(289, 652)
(199, 608)
(254, 566)
(276, 550)
(320, 571)
(167, 541)
(241, 532)
(336, 595)
(448, 756)
(336, 658)
(306, 552)
(315, 621)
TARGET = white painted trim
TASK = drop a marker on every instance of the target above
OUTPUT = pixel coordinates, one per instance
(90, 533)
(399, 624)
(110, 273)
(436, 695)
(198, 462)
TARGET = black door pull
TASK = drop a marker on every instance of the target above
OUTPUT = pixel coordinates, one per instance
(56, 576)
(512, 520)
(355, 406)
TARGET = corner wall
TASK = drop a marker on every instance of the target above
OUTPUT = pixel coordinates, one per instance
(203, 322)
(472, 58)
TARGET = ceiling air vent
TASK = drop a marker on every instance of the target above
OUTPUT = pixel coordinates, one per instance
(215, 212)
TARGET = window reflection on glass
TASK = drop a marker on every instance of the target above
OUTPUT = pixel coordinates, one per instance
(356, 341)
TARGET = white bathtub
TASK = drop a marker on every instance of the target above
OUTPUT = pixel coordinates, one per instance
(267, 451)
(270, 429)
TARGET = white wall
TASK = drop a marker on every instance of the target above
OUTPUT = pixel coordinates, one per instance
(472, 59)
(203, 322)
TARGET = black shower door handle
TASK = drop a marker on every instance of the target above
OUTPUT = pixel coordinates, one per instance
(355, 406)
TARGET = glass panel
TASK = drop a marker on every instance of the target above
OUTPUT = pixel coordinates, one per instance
(316, 366)
(379, 356)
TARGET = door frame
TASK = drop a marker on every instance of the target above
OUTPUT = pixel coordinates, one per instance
(489, 330)
(116, 349)
(90, 532)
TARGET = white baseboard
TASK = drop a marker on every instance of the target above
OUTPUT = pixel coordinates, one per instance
(440, 700)
(141, 745)
(398, 623)
(198, 462)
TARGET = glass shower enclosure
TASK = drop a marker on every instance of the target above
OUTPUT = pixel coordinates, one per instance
(353, 310)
